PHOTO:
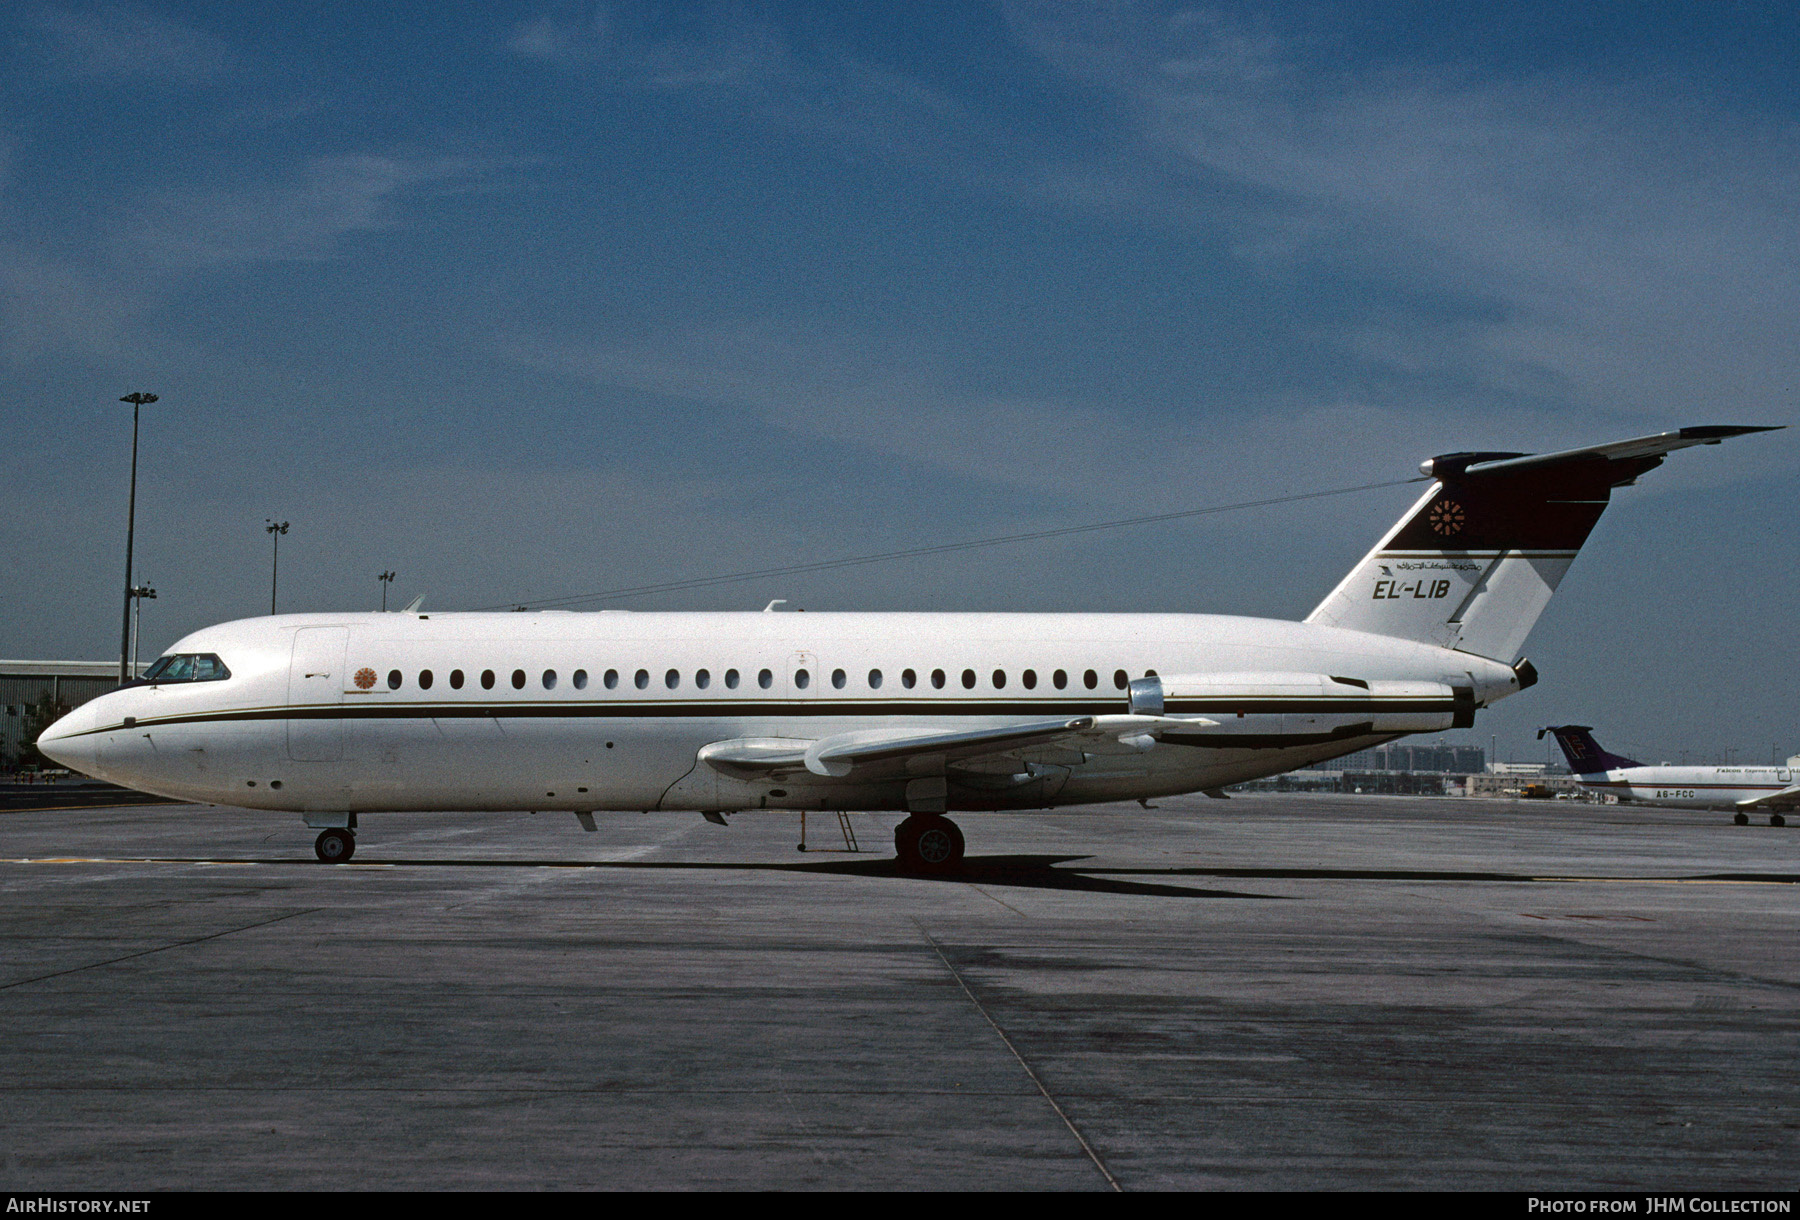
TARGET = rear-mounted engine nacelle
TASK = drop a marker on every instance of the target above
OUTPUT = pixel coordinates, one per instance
(1384, 706)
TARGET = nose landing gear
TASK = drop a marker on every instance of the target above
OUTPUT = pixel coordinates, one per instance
(928, 843)
(336, 845)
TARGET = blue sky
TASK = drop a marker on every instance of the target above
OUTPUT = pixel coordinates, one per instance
(525, 301)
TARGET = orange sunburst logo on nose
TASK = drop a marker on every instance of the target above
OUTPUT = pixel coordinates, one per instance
(1446, 517)
(365, 678)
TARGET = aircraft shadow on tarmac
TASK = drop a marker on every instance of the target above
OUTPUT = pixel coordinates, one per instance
(1030, 872)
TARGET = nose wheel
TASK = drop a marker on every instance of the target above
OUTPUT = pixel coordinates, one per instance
(927, 843)
(335, 846)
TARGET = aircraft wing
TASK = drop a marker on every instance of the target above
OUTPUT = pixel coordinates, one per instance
(1788, 796)
(839, 755)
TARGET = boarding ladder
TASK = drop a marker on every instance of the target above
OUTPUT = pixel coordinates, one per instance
(849, 833)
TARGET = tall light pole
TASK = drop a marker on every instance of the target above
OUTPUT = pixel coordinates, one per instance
(275, 529)
(138, 401)
(138, 594)
(386, 579)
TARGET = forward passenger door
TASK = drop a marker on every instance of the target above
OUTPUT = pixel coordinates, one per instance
(315, 727)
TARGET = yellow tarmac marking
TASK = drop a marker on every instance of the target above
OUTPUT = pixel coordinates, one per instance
(153, 860)
(79, 808)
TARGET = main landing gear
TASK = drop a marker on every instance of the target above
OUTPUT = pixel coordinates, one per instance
(928, 843)
(336, 845)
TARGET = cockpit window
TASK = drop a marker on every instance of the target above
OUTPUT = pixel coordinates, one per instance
(188, 667)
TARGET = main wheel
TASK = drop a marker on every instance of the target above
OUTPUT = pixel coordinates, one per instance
(335, 846)
(1742, 819)
(928, 843)
(1775, 819)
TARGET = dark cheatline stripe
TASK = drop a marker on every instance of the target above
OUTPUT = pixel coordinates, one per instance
(1711, 787)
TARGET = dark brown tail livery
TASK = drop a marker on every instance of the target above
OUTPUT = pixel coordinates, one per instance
(1474, 562)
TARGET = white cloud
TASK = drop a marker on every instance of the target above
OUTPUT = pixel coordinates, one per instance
(119, 40)
(726, 51)
(904, 405)
(1617, 247)
(303, 216)
(49, 309)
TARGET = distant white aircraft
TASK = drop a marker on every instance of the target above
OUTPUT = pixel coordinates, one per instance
(1742, 789)
(337, 715)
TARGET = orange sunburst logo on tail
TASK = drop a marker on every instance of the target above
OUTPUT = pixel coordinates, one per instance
(1446, 517)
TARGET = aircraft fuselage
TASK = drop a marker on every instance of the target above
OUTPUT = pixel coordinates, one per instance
(612, 710)
(1691, 787)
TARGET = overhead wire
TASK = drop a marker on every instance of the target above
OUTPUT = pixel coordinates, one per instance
(946, 548)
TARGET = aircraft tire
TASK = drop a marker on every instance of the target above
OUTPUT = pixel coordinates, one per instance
(928, 843)
(1775, 819)
(1742, 819)
(335, 846)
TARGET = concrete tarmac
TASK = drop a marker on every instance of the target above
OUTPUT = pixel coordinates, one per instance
(1271, 992)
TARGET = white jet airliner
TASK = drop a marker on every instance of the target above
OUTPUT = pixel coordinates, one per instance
(336, 715)
(1742, 789)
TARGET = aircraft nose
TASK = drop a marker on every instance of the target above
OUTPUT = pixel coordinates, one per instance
(69, 743)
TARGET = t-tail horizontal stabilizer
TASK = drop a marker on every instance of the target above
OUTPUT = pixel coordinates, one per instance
(1474, 562)
(1585, 755)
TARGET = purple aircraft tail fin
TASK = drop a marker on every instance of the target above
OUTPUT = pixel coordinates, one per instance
(1583, 752)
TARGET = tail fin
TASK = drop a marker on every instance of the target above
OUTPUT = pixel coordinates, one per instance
(1583, 752)
(1474, 562)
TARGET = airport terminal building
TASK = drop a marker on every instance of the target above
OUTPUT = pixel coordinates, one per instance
(29, 690)
(1422, 769)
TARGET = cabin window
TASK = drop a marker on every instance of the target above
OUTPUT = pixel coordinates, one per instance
(487, 679)
(838, 679)
(702, 678)
(518, 679)
(1090, 679)
(731, 679)
(580, 679)
(968, 679)
(765, 679)
(456, 679)
(937, 679)
(641, 679)
(908, 679)
(874, 679)
(802, 679)
(549, 679)
(1029, 679)
(1121, 679)
(611, 679)
(1059, 679)
(672, 679)
(424, 679)
(999, 678)
(394, 679)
